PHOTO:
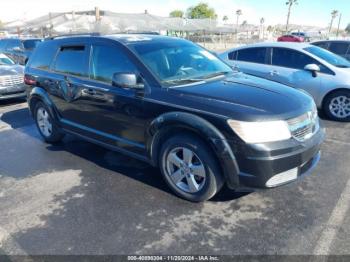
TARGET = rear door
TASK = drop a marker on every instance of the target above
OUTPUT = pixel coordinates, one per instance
(68, 77)
(251, 61)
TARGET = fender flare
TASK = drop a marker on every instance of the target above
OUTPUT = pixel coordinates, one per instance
(38, 93)
(167, 122)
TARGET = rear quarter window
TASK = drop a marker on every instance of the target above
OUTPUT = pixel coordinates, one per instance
(43, 56)
(339, 48)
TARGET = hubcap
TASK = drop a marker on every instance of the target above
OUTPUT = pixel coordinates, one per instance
(44, 122)
(340, 106)
(185, 170)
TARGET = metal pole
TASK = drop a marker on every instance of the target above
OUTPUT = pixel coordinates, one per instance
(97, 14)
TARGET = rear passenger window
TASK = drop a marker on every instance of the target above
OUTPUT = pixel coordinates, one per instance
(253, 55)
(232, 55)
(108, 60)
(72, 60)
(292, 59)
(322, 44)
(43, 56)
(339, 48)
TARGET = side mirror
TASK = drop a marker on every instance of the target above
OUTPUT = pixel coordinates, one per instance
(313, 68)
(127, 80)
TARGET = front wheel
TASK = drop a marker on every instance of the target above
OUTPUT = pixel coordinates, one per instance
(337, 106)
(190, 169)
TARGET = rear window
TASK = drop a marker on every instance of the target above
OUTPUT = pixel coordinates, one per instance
(72, 60)
(30, 44)
(43, 56)
(253, 55)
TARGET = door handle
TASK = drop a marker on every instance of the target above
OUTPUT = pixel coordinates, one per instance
(90, 92)
(274, 73)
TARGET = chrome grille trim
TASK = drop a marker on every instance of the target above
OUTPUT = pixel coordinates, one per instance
(305, 126)
(11, 80)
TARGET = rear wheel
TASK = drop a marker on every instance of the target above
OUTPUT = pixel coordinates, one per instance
(46, 126)
(337, 105)
(190, 169)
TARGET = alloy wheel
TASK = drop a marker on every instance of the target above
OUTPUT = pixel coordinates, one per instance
(340, 106)
(44, 122)
(185, 169)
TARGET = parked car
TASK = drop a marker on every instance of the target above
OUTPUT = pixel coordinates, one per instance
(11, 79)
(321, 73)
(290, 38)
(339, 47)
(175, 105)
(19, 50)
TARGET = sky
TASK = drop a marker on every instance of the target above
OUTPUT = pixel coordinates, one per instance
(307, 12)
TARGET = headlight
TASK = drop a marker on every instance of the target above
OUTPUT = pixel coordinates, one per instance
(260, 132)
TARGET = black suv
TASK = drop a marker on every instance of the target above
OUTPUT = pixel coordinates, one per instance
(19, 50)
(175, 105)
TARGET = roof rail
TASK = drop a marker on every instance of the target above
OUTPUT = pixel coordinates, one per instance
(72, 35)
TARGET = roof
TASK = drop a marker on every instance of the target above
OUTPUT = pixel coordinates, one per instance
(292, 45)
(332, 41)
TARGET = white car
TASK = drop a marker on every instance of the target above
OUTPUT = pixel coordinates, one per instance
(324, 75)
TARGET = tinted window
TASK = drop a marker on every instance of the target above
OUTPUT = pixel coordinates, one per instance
(232, 55)
(11, 44)
(106, 61)
(254, 55)
(43, 56)
(321, 44)
(72, 60)
(329, 57)
(291, 58)
(339, 48)
(30, 44)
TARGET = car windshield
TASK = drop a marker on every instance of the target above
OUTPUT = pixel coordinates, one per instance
(183, 63)
(30, 44)
(6, 61)
(329, 57)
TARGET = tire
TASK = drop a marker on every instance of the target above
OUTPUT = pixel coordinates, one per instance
(336, 106)
(45, 124)
(180, 176)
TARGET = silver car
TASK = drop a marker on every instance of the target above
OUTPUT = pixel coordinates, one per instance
(11, 79)
(324, 75)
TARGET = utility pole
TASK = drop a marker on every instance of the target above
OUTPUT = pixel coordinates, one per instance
(339, 24)
(97, 14)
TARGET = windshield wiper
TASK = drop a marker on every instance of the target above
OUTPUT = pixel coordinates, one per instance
(215, 75)
(181, 80)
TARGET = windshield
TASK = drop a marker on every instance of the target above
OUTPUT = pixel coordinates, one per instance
(181, 63)
(30, 44)
(6, 61)
(329, 57)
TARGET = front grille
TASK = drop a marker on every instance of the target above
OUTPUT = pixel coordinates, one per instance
(304, 126)
(11, 80)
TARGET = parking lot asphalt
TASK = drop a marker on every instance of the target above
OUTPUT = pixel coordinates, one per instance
(78, 198)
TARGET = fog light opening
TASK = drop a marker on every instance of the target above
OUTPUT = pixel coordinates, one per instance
(283, 178)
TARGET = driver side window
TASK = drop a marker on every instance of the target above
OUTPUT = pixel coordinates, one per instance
(108, 60)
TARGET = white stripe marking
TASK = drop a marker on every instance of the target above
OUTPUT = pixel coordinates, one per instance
(336, 220)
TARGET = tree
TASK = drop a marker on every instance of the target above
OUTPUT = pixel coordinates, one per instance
(202, 10)
(290, 4)
(225, 18)
(334, 14)
(176, 13)
(238, 14)
(347, 29)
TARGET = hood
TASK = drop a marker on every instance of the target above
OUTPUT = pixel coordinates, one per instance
(11, 70)
(245, 98)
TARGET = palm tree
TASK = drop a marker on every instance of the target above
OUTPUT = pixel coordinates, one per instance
(238, 14)
(225, 18)
(262, 22)
(290, 4)
(334, 14)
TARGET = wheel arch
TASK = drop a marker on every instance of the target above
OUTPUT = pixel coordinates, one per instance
(172, 123)
(332, 92)
(38, 94)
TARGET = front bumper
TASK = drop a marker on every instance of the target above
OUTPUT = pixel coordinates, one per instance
(17, 91)
(274, 164)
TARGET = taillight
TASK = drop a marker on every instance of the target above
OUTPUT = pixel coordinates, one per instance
(29, 81)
